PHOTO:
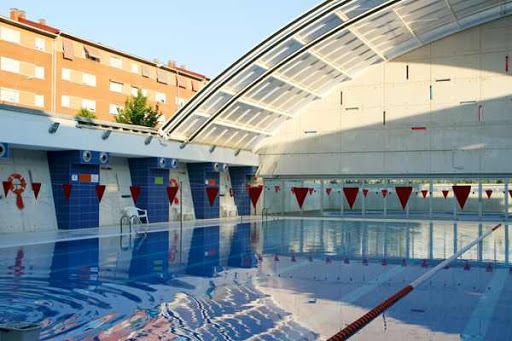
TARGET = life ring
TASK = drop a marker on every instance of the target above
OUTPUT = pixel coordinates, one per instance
(18, 185)
(173, 183)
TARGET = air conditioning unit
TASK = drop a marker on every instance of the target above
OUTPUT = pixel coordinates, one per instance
(104, 158)
(4, 151)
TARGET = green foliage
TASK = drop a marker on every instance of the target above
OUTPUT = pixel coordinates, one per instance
(85, 113)
(137, 111)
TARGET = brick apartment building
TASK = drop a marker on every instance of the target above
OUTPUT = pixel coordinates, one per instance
(44, 68)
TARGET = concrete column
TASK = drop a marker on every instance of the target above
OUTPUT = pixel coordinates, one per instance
(480, 203)
(322, 191)
(506, 197)
(430, 197)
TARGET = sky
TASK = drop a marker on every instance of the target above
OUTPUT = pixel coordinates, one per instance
(206, 36)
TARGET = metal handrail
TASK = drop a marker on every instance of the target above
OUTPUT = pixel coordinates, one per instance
(264, 212)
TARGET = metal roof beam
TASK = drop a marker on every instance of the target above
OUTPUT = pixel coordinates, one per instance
(234, 125)
(258, 105)
(360, 37)
(408, 27)
(289, 81)
(324, 60)
(453, 12)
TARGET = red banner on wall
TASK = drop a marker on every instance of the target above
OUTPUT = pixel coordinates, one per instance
(300, 194)
(403, 193)
(424, 193)
(351, 195)
(212, 192)
(171, 193)
(489, 193)
(254, 193)
(36, 187)
(384, 192)
(135, 191)
(365, 192)
(100, 190)
(445, 193)
(461, 193)
(328, 191)
(310, 190)
(67, 191)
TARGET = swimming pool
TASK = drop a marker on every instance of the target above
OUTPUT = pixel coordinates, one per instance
(281, 279)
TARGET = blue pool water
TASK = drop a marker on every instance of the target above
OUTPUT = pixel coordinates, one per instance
(254, 280)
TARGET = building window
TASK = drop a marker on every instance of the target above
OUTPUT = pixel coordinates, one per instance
(116, 87)
(134, 91)
(66, 74)
(160, 97)
(65, 101)
(89, 104)
(113, 109)
(180, 101)
(116, 62)
(10, 65)
(145, 92)
(92, 54)
(89, 79)
(39, 72)
(9, 95)
(40, 44)
(9, 35)
(135, 68)
(39, 101)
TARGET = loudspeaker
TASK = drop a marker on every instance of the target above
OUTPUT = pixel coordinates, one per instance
(174, 163)
(4, 151)
(216, 167)
(104, 158)
(162, 162)
(224, 168)
(86, 156)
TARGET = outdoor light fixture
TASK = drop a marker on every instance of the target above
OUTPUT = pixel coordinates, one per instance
(53, 127)
(106, 134)
(237, 152)
(148, 140)
(183, 145)
(212, 148)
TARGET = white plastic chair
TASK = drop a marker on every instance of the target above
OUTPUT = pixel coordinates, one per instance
(136, 216)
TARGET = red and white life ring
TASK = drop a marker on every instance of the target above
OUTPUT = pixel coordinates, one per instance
(18, 185)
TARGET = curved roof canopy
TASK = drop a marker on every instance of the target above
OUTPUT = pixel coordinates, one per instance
(330, 44)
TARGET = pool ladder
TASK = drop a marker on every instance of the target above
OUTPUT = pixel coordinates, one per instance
(264, 213)
(131, 222)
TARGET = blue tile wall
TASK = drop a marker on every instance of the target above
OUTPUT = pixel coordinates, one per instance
(203, 257)
(149, 261)
(199, 174)
(153, 197)
(82, 208)
(75, 264)
(240, 177)
(241, 255)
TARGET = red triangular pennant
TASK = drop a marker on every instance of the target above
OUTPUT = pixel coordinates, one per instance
(351, 195)
(424, 193)
(212, 192)
(135, 191)
(67, 190)
(461, 193)
(300, 194)
(445, 193)
(365, 192)
(384, 192)
(171, 193)
(510, 192)
(328, 191)
(7, 187)
(36, 187)
(489, 193)
(310, 190)
(254, 193)
(100, 190)
(404, 193)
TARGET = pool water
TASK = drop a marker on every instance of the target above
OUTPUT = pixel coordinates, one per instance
(288, 279)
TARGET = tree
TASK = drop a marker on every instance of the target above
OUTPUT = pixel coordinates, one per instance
(85, 113)
(137, 111)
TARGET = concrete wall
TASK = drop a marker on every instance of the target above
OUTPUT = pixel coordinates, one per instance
(37, 215)
(464, 127)
(116, 178)
(180, 174)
